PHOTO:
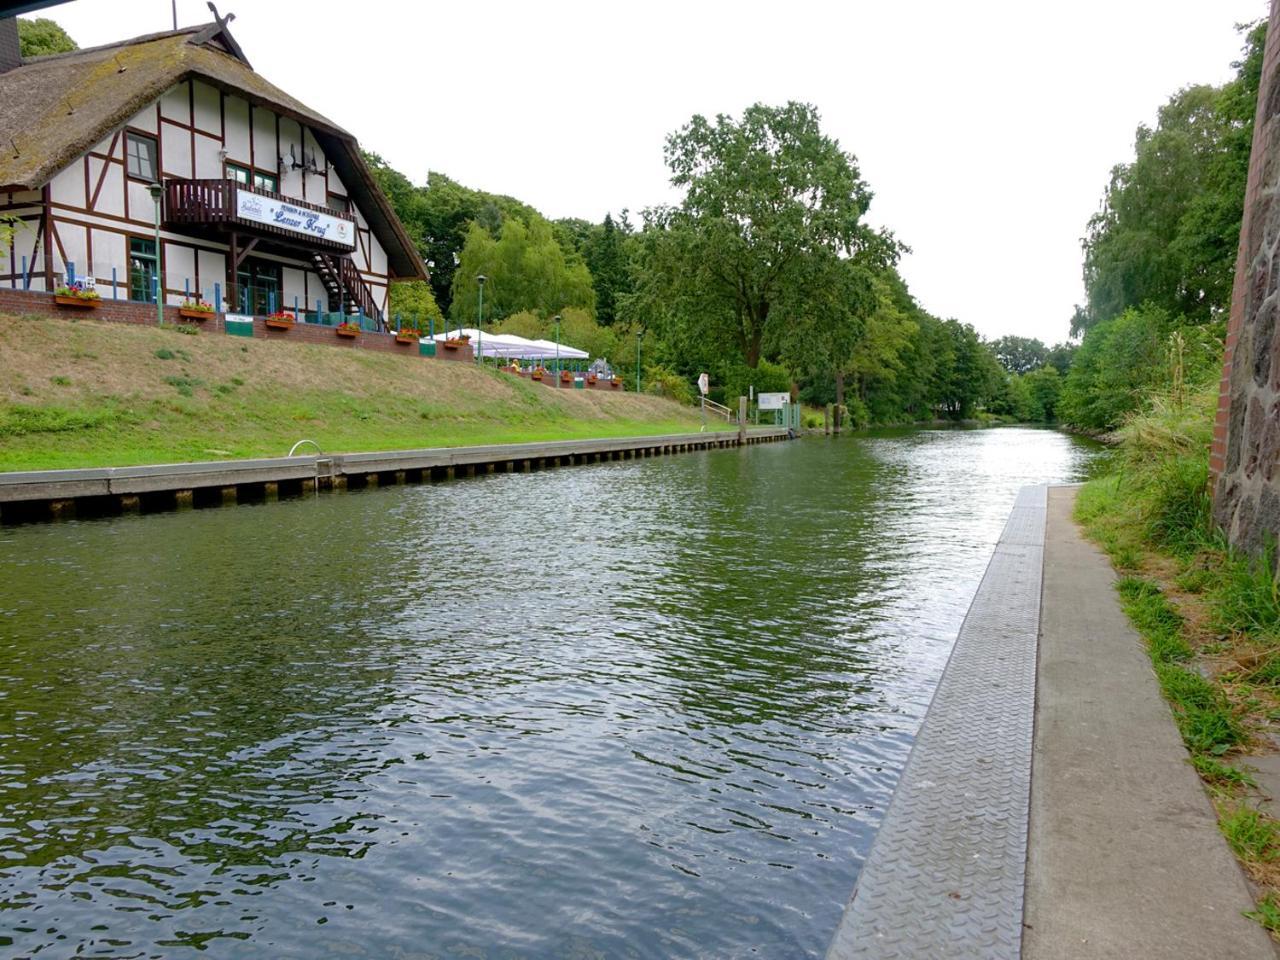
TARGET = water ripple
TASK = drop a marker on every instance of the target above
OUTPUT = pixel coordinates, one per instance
(641, 709)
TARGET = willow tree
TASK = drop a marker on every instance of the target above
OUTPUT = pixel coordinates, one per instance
(772, 211)
(526, 269)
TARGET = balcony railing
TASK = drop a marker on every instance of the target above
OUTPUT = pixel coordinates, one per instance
(217, 203)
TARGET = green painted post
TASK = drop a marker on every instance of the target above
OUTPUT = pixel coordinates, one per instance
(639, 337)
(480, 321)
(156, 190)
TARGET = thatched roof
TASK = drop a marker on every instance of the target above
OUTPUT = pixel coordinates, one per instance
(54, 109)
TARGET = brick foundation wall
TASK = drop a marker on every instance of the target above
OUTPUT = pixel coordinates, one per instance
(126, 311)
(1246, 435)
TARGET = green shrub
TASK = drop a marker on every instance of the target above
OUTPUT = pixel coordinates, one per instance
(665, 382)
(858, 416)
(164, 353)
(736, 380)
(1117, 364)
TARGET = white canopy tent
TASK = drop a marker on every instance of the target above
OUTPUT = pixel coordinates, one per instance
(509, 346)
(566, 352)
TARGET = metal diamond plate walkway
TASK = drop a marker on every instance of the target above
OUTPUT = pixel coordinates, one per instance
(945, 876)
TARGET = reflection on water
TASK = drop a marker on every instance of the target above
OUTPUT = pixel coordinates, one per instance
(638, 709)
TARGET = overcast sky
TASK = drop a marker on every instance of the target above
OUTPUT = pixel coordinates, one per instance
(985, 128)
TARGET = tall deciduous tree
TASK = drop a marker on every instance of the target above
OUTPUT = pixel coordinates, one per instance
(526, 269)
(1020, 354)
(771, 207)
(1170, 222)
(41, 37)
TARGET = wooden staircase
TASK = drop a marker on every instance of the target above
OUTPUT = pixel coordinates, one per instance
(345, 286)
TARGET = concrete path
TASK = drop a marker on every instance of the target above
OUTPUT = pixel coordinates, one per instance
(1125, 859)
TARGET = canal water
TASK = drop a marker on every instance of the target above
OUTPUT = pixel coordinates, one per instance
(642, 709)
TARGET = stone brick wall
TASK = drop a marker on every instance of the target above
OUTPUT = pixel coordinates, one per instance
(125, 311)
(1246, 438)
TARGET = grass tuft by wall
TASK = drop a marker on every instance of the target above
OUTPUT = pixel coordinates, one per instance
(1210, 617)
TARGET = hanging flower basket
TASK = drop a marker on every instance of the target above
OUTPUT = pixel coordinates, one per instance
(76, 297)
(279, 321)
(348, 330)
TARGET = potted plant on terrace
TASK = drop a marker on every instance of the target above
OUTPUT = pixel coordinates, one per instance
(195, 309)
(76, 296)
(347, 328)
(280, 320)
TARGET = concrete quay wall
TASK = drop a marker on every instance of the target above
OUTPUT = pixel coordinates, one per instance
(53, 494)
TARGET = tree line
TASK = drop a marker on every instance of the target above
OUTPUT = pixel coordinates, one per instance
(765, 275)
(1159, 256)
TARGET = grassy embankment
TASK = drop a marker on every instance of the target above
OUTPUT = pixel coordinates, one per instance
(1210, 617)
(86, 393)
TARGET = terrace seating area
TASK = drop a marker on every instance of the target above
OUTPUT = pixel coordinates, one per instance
(546, 361)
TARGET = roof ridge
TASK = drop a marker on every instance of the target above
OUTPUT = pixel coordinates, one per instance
(145, 38)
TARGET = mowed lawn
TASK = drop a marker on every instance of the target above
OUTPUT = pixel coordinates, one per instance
(85, 393)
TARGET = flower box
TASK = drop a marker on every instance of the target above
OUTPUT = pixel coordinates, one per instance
(345, 331)
(191, 313)
(615, 384)
(454, 343)
(566, 376)
(536, 375)
(406, 336)
(83, 303)
(278, 323)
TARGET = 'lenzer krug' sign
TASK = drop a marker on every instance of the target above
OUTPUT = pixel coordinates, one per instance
(295, 219)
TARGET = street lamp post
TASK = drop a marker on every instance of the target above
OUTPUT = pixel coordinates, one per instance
(557, 351)
(639, 337)
(480, 320)
(156, 191)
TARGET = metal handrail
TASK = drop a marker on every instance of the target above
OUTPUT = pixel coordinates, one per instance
(718, 408)
(293, 449)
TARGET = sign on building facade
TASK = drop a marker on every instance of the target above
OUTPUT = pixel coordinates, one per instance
(288, 216)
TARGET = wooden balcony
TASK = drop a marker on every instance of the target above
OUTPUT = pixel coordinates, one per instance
(225, 205)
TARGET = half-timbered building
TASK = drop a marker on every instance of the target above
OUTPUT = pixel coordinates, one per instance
(259, 197)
